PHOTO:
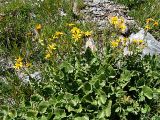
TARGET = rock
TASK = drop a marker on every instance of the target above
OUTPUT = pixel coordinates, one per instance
(99, 11)
(153, 46)
(90, 44)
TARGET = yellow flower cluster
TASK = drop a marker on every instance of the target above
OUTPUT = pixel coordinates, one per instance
(119, 41)
(19, 63)
(57, 35)
(52, 46)
(151, 23)
(118, 23)
(137, 41)
(76, 33)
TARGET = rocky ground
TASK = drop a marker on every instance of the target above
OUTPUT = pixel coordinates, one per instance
(98, 11)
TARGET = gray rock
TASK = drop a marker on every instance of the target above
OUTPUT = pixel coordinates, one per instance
(100, 10)
(153, 46)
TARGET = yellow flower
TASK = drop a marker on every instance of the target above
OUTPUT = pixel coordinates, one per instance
(28, 64)
(121, 20)
(18, 65)
(29, 34)
(155, 23)
(137, 41)
(134, 41)
(48, 55)
(38, 27)
(51, 47)
(88, 33)
(140, 41)
(58, 34)
(114, 20)
(122, 27)
(118, 40)
(76, 36)
(19, 59)
(147, 27)
(71, 24)
(149, 20)
(54, 37)
(75, 30)
(114, 44)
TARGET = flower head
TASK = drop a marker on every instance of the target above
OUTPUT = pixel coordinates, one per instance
(114, 44)
(75, 30)
(71, 24)
(19, 59)
(47, 56)
(51, 47)
(76, 33)
(38, 27)
(18, 64)
(155, 23)
(76, 36)
(88, 33)
(58, 34)
(147, 27)
(122, 27)
(149, 20)
(114, 20)
(28, 64)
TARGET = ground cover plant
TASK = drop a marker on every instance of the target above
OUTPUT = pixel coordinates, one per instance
(57, 74)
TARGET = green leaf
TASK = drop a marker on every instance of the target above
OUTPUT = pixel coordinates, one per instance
(59, 113)
(82, 118)
(103, 98)
(147, 92)
(87, 88)
(32, 113)
(36, 98)
(43, 106)
(101, 114)
(130, 109)
(43, 118)
(5, 108)
(108, 109)
(12, 113)
(67, 66)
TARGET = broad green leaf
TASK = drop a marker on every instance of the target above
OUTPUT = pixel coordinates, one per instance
(103, 98)
(5, 108)
(87, 88)
(43, 118)
(32, 113)
(147, 92)
(108, 109)
(43, 106)
(59, 113)
(101, 114)
(82, 118)
(67, 66)
(69, 108)
(36, 98)
(12, 113)
(130, 109)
